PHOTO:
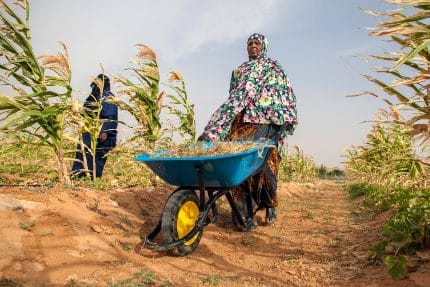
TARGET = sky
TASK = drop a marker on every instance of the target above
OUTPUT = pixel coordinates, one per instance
(322, 45)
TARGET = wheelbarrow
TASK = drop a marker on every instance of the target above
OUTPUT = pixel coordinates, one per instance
(201, 182)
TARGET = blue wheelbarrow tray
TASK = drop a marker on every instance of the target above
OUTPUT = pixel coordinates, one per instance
(211, 175)
(220, 171)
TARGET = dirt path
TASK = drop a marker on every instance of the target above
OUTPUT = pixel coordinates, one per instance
(82, 237)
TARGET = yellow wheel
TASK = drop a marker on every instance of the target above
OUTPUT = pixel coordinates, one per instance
(180, 215)
(187, 217)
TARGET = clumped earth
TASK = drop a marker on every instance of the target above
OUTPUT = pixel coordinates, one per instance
(85, 237)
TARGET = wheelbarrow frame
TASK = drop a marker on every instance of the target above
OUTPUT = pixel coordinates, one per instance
(214, 193)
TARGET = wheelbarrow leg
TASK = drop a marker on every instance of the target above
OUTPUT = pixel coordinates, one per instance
(155, 231)
(249, 201)
(246, 225)
(234, 208)
(214, 209)
(202, 187)
(249, 224)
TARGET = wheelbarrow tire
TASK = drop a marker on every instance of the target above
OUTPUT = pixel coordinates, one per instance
(179, 217)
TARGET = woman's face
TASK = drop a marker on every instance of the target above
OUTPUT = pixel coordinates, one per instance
(254, 48)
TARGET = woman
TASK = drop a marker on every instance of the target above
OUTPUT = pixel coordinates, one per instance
(261, 105)
(108, 133)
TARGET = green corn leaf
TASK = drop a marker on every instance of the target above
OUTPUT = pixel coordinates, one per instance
(12, 13)
(412, 54)
(25, 45)
(394, 92)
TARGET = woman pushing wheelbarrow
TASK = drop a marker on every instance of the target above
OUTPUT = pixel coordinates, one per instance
(261, 108)
(261, 105)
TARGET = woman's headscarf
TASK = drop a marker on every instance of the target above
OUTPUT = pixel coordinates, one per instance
(261, 39)
(95, 89)
(95, 95)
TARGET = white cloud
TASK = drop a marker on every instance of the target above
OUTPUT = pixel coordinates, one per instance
(104, 32)
(221, 21)
(174, 29)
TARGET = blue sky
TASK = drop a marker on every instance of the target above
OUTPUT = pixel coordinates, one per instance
(322, 45)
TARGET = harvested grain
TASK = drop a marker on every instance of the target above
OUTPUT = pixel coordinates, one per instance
(207, 149)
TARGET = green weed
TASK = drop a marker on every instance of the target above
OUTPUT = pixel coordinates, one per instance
(138, 279)
(212, 280)
(27, 225)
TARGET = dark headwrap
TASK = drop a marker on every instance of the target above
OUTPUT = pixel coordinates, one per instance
(95, 89)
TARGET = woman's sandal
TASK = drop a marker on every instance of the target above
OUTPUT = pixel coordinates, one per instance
(270, 215)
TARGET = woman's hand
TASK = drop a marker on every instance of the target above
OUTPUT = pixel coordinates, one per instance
(203, 138)
(103, 137)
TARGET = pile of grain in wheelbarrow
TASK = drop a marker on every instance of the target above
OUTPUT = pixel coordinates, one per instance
(201, 149)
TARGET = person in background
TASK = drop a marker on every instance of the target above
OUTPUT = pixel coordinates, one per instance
(108, 133)
(261, 105)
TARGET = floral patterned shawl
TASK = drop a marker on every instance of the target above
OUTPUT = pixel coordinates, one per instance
(259, 89)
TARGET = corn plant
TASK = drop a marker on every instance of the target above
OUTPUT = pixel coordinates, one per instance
(180, 108)
(92, 124)
(386, 159)
(296, 166)
(143, 99)
(409, 66)
(387, 171)
(122, 170)
(21, 163)
(41, 85)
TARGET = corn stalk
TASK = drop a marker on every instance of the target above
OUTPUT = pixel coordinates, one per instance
(409, 66)
(296, 166)
(143, 100)
(180, 108)
(386, 159)
(386, 170)
(41, 85)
